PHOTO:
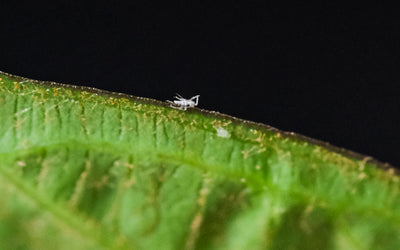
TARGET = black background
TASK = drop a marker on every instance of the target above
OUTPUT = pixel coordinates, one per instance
(329, 72)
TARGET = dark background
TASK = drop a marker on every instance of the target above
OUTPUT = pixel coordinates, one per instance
(328, 72)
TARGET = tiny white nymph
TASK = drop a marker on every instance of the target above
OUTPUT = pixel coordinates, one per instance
(182, 103)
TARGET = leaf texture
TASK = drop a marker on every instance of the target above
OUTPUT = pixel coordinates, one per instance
(82, 168)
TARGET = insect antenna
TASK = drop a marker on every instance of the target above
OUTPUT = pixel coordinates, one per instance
(178, 96)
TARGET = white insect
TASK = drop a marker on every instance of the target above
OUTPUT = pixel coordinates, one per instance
(182, 103)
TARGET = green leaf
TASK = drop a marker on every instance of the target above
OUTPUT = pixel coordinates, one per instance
(82, 168)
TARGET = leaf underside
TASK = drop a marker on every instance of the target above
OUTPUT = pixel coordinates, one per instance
(87, 169)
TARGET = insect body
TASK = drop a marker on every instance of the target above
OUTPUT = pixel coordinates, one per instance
(182, 103)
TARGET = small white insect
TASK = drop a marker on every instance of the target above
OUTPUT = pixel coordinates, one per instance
(182, 103)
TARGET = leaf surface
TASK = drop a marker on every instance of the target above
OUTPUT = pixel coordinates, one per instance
(82, 168)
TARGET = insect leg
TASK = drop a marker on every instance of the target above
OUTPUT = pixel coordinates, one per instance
(196, 98)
